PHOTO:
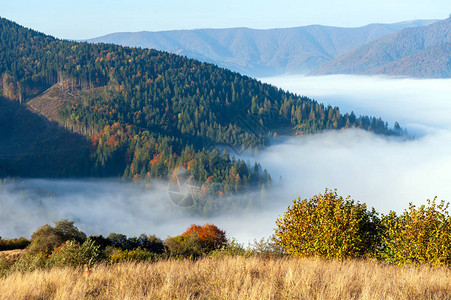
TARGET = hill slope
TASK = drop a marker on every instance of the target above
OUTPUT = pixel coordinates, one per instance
(32, 146)
(419, 52)
(145, 113)
(260, 52)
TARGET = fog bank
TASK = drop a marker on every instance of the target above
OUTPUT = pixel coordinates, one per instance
(386, 173)
(420, 105)
(105, 206)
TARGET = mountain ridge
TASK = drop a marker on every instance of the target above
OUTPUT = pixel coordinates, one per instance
(260, 52)
(409, 52)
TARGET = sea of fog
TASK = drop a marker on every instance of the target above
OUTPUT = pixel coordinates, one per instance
(386, 173)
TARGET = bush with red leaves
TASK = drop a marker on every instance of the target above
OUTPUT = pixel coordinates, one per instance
(210, 236)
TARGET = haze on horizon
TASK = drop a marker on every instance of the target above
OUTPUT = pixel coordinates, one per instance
(88, 19)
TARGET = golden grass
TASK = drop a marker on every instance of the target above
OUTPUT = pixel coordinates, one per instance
(234, 278)
(12, 255)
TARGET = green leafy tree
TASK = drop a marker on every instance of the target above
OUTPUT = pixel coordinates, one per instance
(118, 240)
(46, 237)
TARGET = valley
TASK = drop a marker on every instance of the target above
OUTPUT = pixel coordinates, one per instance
(225, 150)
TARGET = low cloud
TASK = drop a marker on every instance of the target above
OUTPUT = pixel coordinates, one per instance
(386, 173)
(105, 206)
(420, 105)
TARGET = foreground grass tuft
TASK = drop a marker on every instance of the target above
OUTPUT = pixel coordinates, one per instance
(233, 278)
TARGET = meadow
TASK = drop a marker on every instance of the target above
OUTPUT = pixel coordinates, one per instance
(233, 277)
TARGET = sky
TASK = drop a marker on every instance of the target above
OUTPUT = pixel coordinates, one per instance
(85, 19)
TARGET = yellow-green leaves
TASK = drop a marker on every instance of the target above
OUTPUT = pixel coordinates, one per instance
(419, 235)
(329, 226)
(334, 227)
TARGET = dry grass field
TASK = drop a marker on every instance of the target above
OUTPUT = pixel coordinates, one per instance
(12, 255)
(233, 278)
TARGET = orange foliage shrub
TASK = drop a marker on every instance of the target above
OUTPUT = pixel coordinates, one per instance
(209, 235)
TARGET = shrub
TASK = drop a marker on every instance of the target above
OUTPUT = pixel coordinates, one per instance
(29, 262)
(137, 254)
(232, 248)
(5, 265)
(329, 226)
(266, 248)
(419, 235)
(210, 236)
(46, 237)
(73, 254)
(184, 245)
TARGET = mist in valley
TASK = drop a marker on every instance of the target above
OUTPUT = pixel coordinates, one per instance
(420, 105)
(102, 206)
(385, 172)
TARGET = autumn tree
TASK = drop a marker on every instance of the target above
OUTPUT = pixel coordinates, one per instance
(328, 225)
(196, 240)
(210, 236)
(420, 235)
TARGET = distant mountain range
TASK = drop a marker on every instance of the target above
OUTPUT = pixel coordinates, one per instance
(261, 52)
(418, 52)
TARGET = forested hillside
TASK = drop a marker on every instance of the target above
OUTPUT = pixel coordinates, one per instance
(146, 113)
(32, 146)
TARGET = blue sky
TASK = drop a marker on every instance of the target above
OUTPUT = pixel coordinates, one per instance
(91, 18)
